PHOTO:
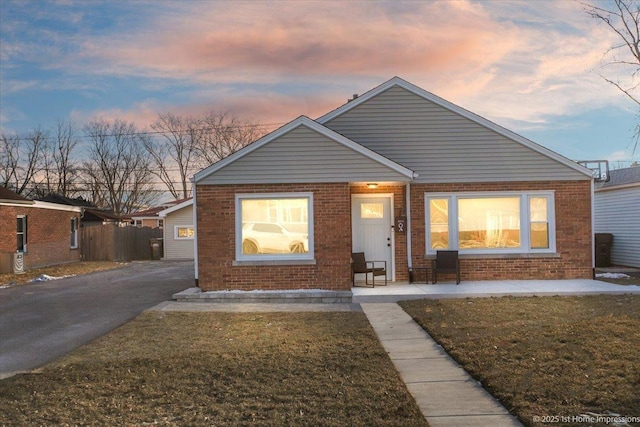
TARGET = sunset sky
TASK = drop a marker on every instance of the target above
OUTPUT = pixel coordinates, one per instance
(532, 67)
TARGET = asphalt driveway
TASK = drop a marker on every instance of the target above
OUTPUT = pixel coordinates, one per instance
(40, 322)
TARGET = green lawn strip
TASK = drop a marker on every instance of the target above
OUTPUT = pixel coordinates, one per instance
(553, 356)
(222, 369)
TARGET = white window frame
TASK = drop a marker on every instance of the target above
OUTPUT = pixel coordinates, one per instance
(525, 223)
(74, 233)
(176, 235)
(24, 233)
(274, 257)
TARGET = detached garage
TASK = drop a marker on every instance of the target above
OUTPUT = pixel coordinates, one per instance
(178, 231)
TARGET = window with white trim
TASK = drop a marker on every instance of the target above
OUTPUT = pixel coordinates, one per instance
(21, 233)
(491, 223)
(275, 226)
(183, 232)
(74, 233)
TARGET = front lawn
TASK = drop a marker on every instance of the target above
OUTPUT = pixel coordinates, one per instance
(222, 369)
(545, 357)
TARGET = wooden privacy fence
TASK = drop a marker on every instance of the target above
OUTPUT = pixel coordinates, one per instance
(112, 243)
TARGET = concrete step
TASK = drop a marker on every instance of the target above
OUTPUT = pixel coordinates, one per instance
(299, 296)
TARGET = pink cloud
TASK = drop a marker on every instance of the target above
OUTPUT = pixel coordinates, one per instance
(505, 60)
(264, 41)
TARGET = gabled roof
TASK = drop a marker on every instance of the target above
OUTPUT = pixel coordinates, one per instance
(306, 122)
(94, 214)
(154, 211)
(177, 207)
(397, 81)
(62, 200)
(621, 178)
(9, 196)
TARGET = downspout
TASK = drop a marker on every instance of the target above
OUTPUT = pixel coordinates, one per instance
(407, 197)
(195, 233)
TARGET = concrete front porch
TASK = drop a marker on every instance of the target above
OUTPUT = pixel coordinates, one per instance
(397, 291)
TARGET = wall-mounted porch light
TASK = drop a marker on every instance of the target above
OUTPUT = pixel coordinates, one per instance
(372, 185)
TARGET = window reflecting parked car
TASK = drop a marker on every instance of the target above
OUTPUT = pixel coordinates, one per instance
(266, 237)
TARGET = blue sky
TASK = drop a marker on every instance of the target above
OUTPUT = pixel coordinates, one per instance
(533, 67)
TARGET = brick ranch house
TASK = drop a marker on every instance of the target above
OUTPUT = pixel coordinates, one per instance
(45, 233)
(397, 173)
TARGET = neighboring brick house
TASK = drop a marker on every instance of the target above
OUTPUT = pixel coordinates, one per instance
(46, 233)
(397, 173)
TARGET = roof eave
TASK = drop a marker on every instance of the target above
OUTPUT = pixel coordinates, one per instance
(177, 207)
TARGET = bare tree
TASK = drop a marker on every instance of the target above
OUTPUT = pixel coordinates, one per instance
(9, 160)
(173, 153)
(187, 144)
(20, 158)
(623, 18)
(118, 167)
(61, 170)
(219, 135)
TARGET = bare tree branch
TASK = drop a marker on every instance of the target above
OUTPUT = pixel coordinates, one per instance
(21, 160)
(623, 20)
(174, 154)
(59, 167)
(219, 135)
(118, 168)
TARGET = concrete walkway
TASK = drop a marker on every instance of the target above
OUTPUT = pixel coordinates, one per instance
(445, 393)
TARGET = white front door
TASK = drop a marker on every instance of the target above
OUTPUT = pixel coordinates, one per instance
(372, 232)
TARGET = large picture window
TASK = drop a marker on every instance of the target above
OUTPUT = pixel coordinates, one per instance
(274, 226)
(490, 222)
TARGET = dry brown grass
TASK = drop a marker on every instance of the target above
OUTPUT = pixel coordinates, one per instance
(555, 356)
(222, 369)
(71, 269)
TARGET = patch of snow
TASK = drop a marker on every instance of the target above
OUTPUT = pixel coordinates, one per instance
(46, 278)
(613, 275)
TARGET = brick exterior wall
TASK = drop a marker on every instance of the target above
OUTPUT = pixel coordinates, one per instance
(216, 241)
(48, 235)
(332, 228)
(573, 234)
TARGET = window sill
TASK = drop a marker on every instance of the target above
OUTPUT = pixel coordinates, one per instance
(503, 256)
(274, 262)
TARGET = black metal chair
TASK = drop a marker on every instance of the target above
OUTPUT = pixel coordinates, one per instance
(446, 262)
(359, 265)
